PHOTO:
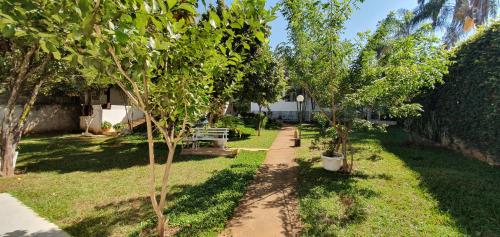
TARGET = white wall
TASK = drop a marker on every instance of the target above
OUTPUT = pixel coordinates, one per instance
(287, 110)
(117, 114)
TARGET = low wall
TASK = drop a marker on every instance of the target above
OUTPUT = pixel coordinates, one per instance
(458, 145)
(49, 118)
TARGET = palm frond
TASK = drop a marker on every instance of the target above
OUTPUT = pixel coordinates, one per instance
(428, 10)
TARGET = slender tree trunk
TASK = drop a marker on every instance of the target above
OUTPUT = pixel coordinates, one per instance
(260, 120)
(164, 188)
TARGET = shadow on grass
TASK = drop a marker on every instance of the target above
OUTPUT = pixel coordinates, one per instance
(192, 210)
(467, 189)
(202, 209)
(319, 190)
(111, 215)
(70, 154)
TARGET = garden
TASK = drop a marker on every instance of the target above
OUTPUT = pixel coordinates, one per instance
(203, 76)
(97, 186)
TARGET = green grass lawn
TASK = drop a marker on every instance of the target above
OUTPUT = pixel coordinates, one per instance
(397, 190)
(98, 187)
(265, 140)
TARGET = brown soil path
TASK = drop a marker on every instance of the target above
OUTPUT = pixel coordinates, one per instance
(269, 207)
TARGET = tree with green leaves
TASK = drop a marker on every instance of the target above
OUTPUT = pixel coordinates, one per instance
(390, 70)
(162, 59)
(31, 33)
(244, 38)
(457, 16)
(265, 83)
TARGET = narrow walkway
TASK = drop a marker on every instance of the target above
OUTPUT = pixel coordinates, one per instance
(269, 207)
(17, 220)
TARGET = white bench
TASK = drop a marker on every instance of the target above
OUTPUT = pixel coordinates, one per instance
(208, 134)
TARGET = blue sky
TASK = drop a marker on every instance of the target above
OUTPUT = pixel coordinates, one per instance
(363, 19)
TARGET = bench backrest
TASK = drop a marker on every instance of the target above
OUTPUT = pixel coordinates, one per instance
(211, 132)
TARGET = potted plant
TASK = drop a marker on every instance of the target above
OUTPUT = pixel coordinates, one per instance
(326, 143)
(106, 126)
(118, 127)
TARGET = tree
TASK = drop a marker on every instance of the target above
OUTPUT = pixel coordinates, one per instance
(264, 83)
(162, 59)
(390, 70)
(457, 17)
(30, 39)
(244, 39)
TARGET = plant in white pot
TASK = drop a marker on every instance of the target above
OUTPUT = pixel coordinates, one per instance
(331, 159)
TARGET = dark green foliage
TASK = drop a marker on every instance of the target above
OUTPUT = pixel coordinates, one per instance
(467, 106)
(236, 125)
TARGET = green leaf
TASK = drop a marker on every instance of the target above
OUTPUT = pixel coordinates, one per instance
(188, 7)
(171, 3)
(43, 45)
(121, 37)
(260, 36)
(215, 18)
(235, 25)
(57, 55)
(140, 22)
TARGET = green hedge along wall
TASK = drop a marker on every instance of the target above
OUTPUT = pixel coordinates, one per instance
(464, 112)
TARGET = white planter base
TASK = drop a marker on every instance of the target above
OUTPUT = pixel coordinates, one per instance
(332, 163)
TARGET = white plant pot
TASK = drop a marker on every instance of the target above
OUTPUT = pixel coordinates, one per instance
(332, 163)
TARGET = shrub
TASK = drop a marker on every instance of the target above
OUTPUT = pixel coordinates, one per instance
(273, 124)
(366, 126)
(118, 126)
(106, 125)
(236, 125)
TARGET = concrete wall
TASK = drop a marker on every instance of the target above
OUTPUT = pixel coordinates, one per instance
(49, 118)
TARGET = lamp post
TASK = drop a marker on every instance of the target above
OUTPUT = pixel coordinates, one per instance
(300, 99)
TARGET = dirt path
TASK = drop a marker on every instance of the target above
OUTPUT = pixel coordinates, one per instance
(269, 207)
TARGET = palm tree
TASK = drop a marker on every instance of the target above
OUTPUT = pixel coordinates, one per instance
(456, 16)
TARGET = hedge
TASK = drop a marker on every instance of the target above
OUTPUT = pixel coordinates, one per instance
(467, 106)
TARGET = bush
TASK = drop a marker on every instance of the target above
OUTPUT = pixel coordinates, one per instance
(106, 125)
(273, 124)
(118, 126)
(367, 126)
(236, 125)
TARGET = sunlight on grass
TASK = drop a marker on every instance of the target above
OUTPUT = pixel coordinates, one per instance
(98, 187)
(398, 191)
(265, 140)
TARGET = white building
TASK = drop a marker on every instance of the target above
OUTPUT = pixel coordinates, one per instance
(288, 109)
(110, 105)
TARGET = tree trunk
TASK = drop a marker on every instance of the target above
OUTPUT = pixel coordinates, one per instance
(12, 129)
(260, 117)
(8, 151)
